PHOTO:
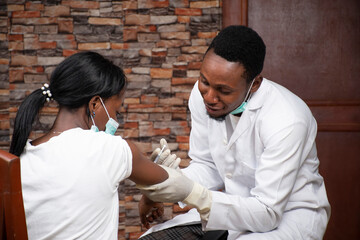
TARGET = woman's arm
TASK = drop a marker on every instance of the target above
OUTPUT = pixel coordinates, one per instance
(144, 171)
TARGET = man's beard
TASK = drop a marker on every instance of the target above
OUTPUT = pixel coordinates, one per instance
(219, 119)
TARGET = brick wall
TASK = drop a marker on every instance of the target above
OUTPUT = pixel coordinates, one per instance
(159, 43)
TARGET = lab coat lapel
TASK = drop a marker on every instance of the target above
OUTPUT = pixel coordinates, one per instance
(221, 125)
(241, 127)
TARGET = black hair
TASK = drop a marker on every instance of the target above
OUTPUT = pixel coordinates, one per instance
(72, 84)
(241, 44)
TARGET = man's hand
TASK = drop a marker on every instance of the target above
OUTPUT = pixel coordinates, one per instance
(174, 189)
(179, 188)
(166, 158)
(149, 211)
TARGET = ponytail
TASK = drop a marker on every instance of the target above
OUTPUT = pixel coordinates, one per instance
(24, 120)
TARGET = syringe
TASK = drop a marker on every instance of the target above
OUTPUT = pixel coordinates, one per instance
(158, 156)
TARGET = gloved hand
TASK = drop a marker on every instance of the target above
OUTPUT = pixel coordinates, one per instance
(166, 158)
(174, 189)
(179, 188)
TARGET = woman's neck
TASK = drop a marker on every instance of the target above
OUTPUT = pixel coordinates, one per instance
(71, 118)
(66, 119)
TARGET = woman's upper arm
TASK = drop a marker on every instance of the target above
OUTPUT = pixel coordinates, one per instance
(144, 171)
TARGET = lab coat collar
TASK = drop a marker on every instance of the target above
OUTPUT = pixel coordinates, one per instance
(257, 99)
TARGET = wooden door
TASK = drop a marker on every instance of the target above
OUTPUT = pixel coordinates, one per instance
(313, 49)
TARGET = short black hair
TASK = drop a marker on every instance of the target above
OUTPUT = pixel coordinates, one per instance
(241, 44)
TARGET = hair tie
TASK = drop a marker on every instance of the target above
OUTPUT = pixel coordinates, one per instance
(46, 92)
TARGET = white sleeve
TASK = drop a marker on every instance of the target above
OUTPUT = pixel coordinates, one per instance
(275, 177)
(117, 159)
(202, 168)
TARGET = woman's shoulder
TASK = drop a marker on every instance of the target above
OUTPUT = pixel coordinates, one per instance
(88, 136)
(75, 137)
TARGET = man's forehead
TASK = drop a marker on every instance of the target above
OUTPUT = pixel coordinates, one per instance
(212, 57)
(216, 68)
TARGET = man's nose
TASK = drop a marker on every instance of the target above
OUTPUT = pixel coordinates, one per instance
(210, 96)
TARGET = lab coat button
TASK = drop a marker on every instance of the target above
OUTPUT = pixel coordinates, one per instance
(228, 175)
(225, 142)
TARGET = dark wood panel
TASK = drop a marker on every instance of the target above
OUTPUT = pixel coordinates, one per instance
(340, 167)
(333, 117)
(235, 12)
(313, 46)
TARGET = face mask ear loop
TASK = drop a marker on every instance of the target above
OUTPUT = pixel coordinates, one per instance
(92, 119)
(242, 106)
(248, 96)
(104, 108)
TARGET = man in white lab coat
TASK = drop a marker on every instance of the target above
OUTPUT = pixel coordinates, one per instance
(254, 169)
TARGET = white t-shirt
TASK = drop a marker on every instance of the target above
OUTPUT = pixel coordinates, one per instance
(70, 185)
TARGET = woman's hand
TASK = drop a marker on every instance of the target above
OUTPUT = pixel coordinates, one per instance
(149, 211)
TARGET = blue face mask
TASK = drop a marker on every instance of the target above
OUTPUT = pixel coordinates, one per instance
(242, 106)
(111, 125)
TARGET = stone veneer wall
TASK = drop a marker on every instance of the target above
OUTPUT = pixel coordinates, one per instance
(159, 43)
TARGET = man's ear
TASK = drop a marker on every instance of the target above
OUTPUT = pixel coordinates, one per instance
(94, 104)
(257, 82)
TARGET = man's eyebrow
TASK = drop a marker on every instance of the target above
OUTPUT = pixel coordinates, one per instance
(218, 85)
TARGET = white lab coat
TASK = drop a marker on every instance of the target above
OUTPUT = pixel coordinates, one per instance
(266, 169)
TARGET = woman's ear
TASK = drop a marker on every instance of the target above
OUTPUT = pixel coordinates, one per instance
(94, 104)
(257, 82)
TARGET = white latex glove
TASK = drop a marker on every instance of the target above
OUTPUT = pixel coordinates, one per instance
(166, 158)
(200, 198)
(175, 188)
(179, 188)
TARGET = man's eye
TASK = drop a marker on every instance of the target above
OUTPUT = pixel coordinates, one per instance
(225, 92)
(220, 90)
(203, 81)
